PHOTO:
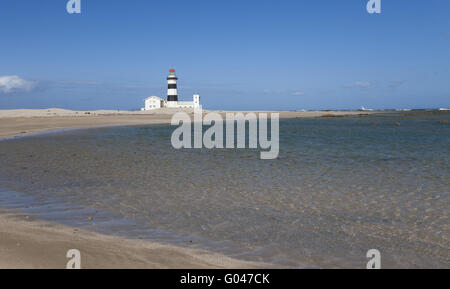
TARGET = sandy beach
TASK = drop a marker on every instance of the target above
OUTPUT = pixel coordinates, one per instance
(23, 122)
(33, 244)
(26, 243)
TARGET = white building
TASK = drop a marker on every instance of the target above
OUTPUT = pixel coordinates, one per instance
(155, 102)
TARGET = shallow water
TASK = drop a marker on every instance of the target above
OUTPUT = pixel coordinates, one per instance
(340, 187)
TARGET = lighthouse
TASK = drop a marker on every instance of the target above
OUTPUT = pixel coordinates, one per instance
(172, 91)
(156, 102)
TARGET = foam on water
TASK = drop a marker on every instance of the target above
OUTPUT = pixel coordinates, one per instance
(339, 188)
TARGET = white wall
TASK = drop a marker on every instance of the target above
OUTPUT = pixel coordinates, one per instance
(196, 100)
(152, 102)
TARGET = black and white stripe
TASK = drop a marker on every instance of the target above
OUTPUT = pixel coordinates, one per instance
(172, 91)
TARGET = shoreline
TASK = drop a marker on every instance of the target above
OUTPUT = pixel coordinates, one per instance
(16, 123)
(27, 243)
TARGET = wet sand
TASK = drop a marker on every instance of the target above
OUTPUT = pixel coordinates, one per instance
(32, 244)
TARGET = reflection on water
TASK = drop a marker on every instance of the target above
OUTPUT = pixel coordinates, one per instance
(339, 188)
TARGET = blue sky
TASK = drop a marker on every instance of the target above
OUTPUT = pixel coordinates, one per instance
(237, 54)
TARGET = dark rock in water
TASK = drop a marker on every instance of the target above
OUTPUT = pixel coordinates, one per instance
(331, 115)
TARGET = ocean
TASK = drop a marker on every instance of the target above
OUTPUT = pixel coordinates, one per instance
(340, 187)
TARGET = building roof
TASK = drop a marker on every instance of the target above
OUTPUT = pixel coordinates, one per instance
(157, 97)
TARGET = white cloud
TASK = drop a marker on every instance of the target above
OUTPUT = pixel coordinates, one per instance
(359, 84)
(285, 91)
(270, 91)
(12, 83)
(362, 84)
(298, 93)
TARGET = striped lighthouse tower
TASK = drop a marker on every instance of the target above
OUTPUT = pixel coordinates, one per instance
(172, 91)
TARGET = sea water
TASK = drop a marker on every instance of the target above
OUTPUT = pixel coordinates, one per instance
(340, 187)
